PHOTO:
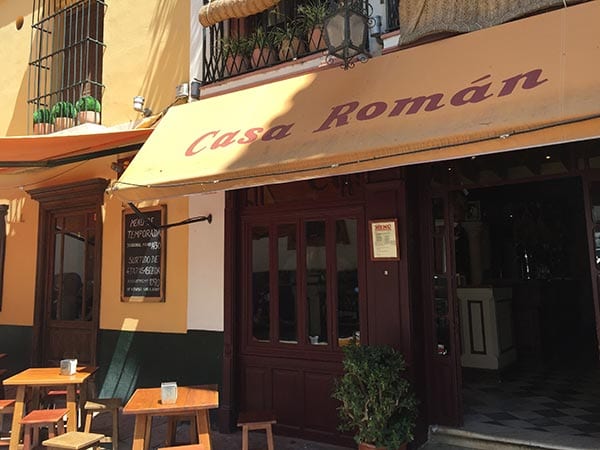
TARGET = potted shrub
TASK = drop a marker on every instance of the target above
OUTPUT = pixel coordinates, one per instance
(236, 52)
(313, 13)
(377, 401)
(263, 52)
(88, 109)
(42, 121)
(287, 39)
(63, 114)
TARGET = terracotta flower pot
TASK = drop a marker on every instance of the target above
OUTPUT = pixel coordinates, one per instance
(316, 40)
(263, 57)
(62, 123)
(43, 128)
(291, 48)
(88, 117)
(236, 64)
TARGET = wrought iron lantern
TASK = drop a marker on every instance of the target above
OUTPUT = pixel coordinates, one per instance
(346, 32)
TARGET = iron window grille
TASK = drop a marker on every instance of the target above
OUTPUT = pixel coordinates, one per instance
(67, 47)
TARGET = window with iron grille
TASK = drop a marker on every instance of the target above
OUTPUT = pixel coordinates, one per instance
(65, 62)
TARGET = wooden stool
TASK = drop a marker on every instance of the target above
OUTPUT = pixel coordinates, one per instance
(184, 447)
(257, 420)
(38, 418)
(74, 440)
(6, 407)
(101, 405)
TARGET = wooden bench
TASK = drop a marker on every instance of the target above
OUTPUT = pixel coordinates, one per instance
(257, 420)
(74, 440)
(38, 418)
(102, 405)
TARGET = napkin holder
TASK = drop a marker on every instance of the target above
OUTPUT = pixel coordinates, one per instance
(168, 392)
(68, 366)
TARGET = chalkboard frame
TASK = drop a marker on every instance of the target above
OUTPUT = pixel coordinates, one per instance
(129, 214)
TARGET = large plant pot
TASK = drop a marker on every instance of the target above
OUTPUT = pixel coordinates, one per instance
(316, 40)
(291, 48)
(263, 57)
(236, 64)
(62, 123)
(43, 128)
(88, 117)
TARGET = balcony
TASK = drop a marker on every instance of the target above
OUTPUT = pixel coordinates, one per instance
(290, 31)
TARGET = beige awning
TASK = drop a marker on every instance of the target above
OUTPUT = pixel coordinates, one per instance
(420, 18)
(216, 11)
(61, 148)
(523, 84)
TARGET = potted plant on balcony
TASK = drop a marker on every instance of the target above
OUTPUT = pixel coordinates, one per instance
(88, 109)
(377, 401)
(312, 14)
(42, 121)
(263, 52)
(287, 39)
(64, 115)
(236, 53)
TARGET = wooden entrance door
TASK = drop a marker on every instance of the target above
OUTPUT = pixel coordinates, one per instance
(442, 325)
(68, 275)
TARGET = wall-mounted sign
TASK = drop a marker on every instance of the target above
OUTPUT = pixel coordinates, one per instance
(384, 240)
(144, 250)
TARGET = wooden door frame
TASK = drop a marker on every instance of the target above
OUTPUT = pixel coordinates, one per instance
(587, 177)
(53, 199)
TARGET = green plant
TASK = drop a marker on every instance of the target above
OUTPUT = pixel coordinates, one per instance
(88, 103)
(313, 13)
(64, 109)
(377, 401)
(42, 115)
(234, 46)
(286, 32)
(262, 39)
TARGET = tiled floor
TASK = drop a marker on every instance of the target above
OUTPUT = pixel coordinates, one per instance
(560, 401)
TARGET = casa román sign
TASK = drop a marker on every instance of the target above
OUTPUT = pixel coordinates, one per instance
(479, 90)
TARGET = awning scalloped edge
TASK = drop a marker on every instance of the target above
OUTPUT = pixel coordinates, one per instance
(219, 10)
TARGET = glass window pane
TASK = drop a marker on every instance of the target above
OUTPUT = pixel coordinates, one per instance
(316, 282)
(287, 252)
(260, 284)
(347, 280)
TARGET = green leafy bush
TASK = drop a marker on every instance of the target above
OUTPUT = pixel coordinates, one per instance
(64, 109)
(42, 115)
(88, 103)
(312, 13)
(377, 401)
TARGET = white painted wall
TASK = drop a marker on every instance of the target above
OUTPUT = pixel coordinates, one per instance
(196, 31)
(206, 263)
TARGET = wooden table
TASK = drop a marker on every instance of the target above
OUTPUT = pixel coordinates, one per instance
(37, 377)
(191, 400)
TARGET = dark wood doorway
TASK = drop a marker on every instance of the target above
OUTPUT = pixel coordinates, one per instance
(68, 272)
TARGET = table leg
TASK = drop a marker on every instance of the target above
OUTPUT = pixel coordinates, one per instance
(203, 427)
(139, 432)
(72, 407)
(15, 430)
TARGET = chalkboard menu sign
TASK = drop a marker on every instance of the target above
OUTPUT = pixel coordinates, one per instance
(143, 255)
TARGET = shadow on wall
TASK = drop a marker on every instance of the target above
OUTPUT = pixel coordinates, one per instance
(10, 12)
(129, 360)
(168, 64)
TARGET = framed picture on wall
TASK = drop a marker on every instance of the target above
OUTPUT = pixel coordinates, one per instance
(383, 240)
(473, 212)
